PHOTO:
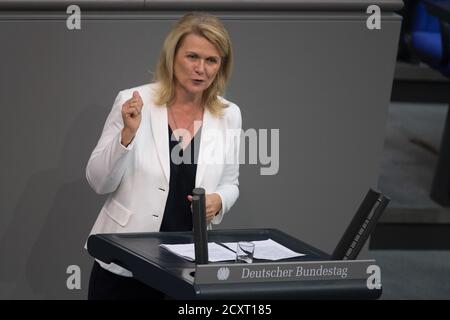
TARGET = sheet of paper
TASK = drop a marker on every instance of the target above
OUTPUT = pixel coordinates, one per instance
(216, 252)
(268, 250)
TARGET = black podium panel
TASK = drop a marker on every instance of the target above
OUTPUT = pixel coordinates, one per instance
(155, 266)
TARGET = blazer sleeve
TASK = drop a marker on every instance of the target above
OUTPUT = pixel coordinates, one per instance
(109, 160)
(228, 188)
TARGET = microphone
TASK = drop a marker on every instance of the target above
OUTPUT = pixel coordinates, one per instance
(199, 226)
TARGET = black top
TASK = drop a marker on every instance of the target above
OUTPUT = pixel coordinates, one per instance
(177, 213)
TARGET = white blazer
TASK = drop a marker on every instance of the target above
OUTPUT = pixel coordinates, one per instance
(137, 177)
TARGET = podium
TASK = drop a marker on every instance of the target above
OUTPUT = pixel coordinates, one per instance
(182, 279)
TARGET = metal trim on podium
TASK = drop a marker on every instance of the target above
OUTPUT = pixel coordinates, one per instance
(176, 277)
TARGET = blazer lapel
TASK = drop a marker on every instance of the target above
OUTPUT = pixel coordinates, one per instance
(158, 119)
(207, 145)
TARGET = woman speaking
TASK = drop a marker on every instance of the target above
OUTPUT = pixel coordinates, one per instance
(155, 148)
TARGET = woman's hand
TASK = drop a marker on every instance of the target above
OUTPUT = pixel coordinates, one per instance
(131, 115)
(213, 204)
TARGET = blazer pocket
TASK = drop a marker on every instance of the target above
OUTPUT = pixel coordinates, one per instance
(118, 212)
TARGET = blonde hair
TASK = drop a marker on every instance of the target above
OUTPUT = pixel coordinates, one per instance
(212, 29)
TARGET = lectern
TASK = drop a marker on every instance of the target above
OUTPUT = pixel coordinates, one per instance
(313, 276)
